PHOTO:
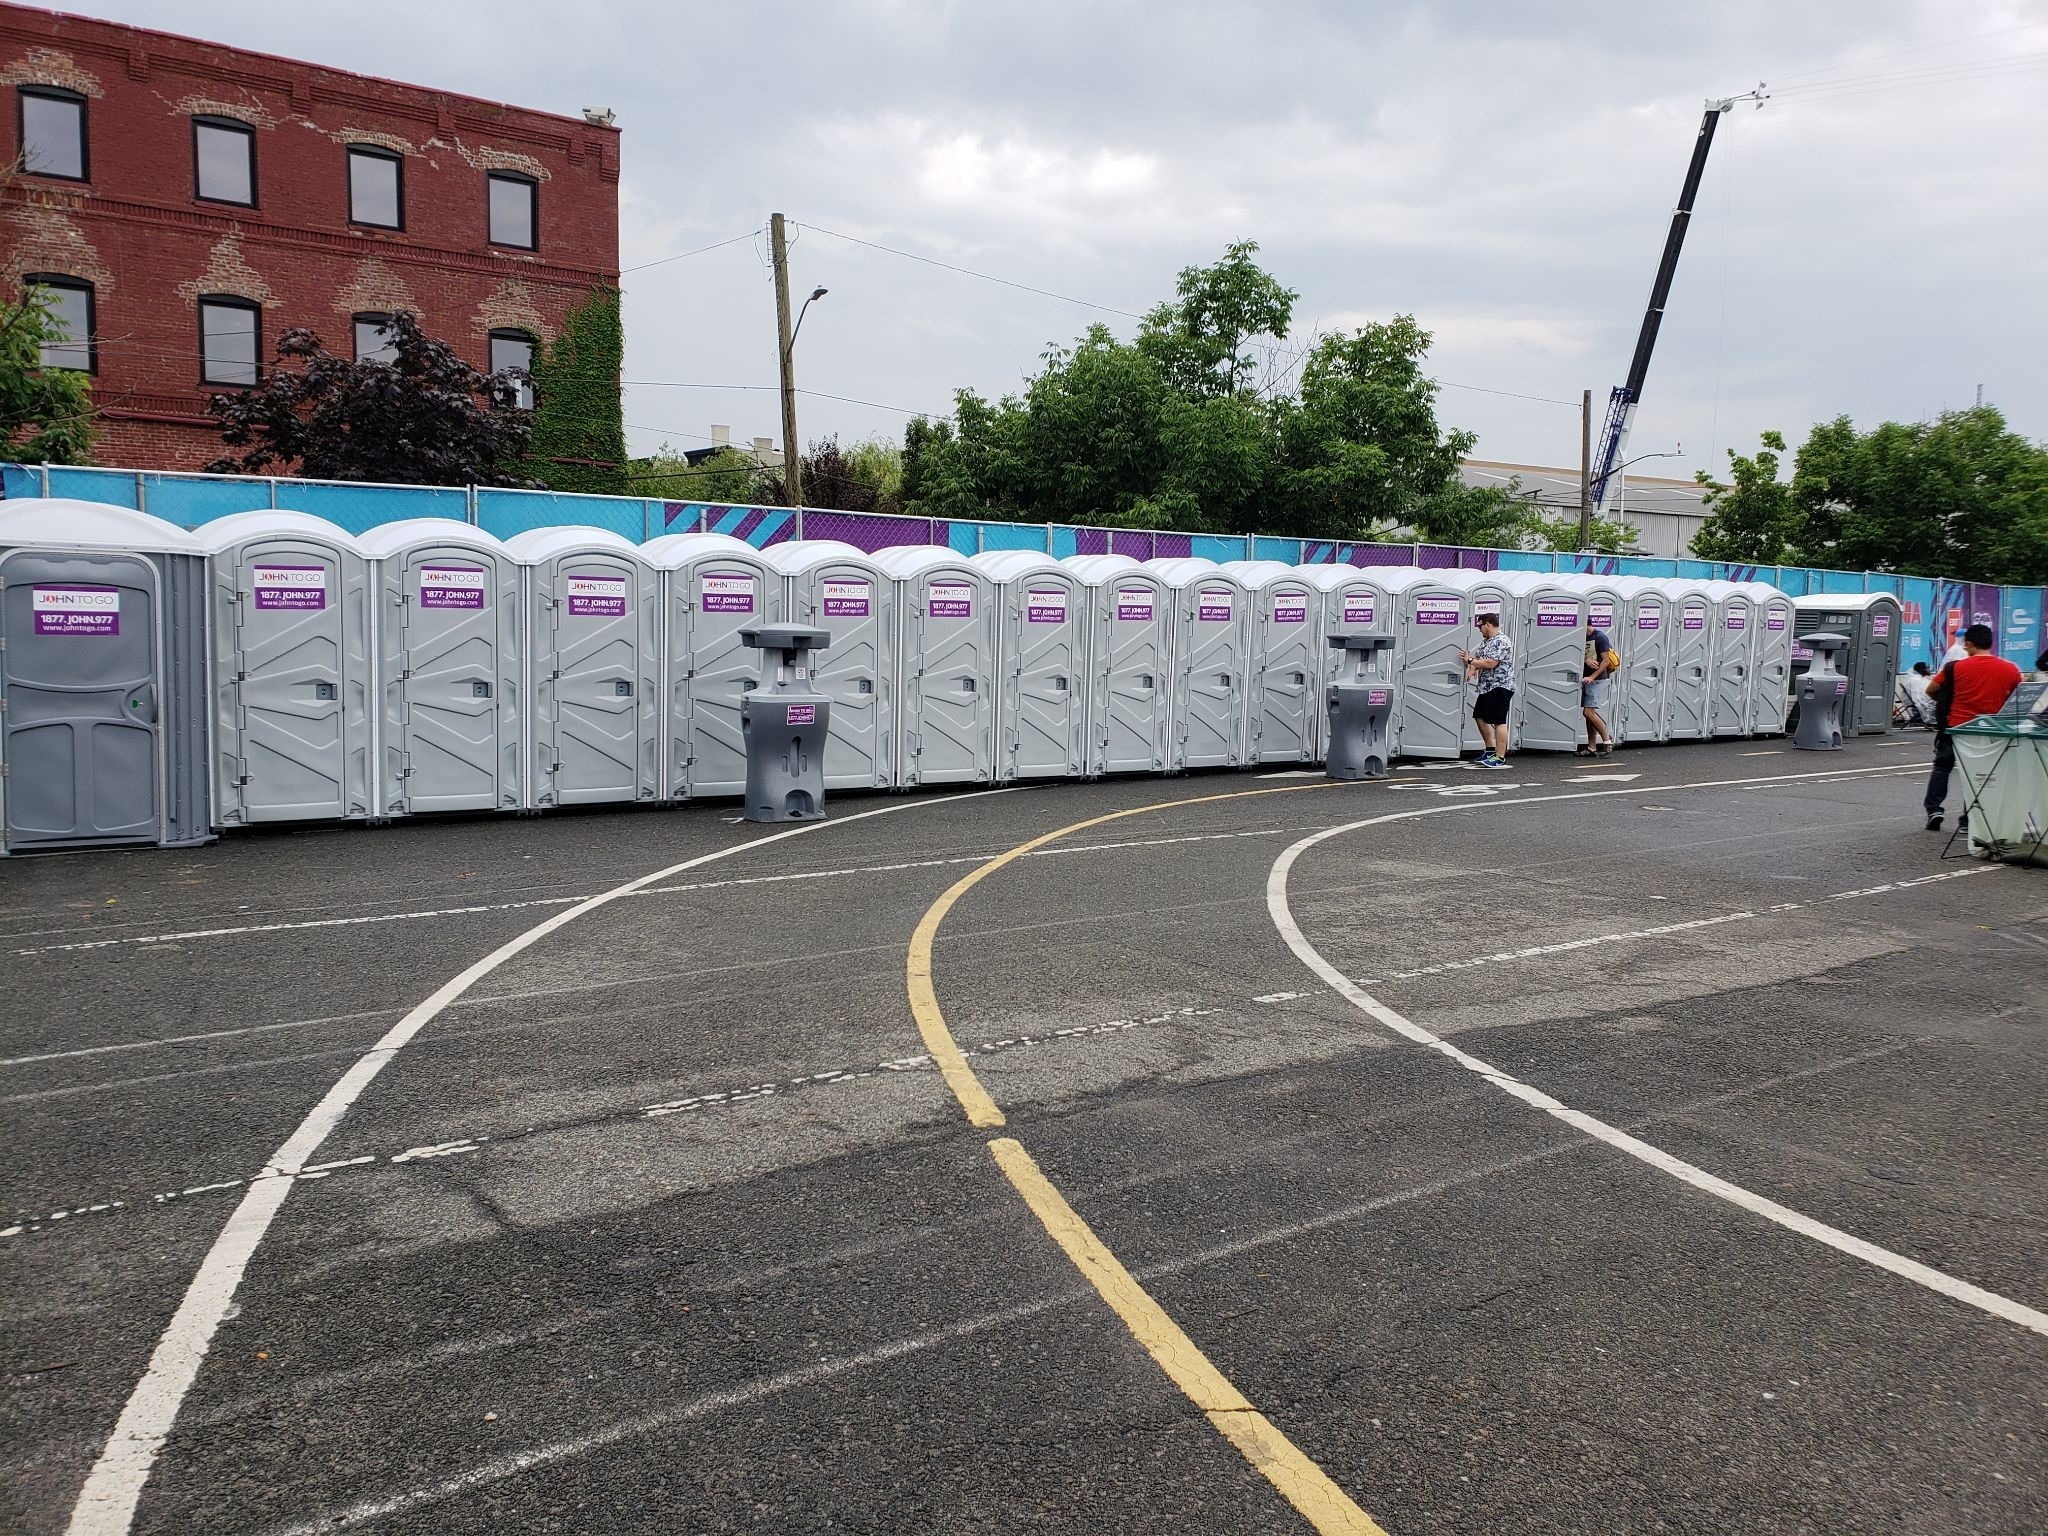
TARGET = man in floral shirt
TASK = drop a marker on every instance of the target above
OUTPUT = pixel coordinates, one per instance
(1492, 666)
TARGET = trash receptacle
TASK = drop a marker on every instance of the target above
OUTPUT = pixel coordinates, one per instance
(1820, 693)
(1360, 700)
(783, 721)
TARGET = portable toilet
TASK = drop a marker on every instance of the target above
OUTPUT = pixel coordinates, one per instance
(1285, 699)
(713, 586)
(450, 668)
(103, 693)
(294, 697)
(1042, 611)
(1429, 620)
(1488, 592)
(850, 597)
(593, 660)
(1733, 668)
(1873, 622)
(946, 675)
(1771, 697)
(1689, 698)
(1642, 635)
(1212, 651)
(1356, 600)
(1550, 660)
(1130, 668)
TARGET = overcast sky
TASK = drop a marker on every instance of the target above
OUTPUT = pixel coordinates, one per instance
(1504, 171)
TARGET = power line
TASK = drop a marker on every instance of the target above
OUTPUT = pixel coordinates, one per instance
(1956, 42)
(662, 261)
(987, 277)
(1963, 69)
(1480, 389)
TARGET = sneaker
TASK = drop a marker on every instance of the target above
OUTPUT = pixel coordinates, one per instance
(1491, 762)
(1934, 822)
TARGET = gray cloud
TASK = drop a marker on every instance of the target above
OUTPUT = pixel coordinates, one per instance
(1503, 171)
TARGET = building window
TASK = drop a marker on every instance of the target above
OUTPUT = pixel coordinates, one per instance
(52, 132)
(224, 160)
(230, 330)
(373, 339)
(514, 349)
(71, 344)
(376, 187)
(515, 210)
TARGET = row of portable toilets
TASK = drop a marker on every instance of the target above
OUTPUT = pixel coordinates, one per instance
(160, 684)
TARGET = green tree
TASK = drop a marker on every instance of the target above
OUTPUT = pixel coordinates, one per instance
(1360, 449)
(724, 476)
(1203, 340)
(1604, 535)
(46, 414)
(864, 478)
(1753, 519)
(579, 431)
(936, 479)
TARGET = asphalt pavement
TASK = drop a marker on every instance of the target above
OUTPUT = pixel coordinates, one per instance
(668, 1221)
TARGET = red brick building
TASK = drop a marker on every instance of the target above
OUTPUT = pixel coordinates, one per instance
(185, 202)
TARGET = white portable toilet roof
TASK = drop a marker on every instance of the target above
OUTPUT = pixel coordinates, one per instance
(1097, 569)
(1260, 573)
(1849, 600)
(909, 559)
(802, 554)
(1327, 578)
(1721, 589)
(1186, 570)
(1400, 578)
(538, 544)
(672, 551)
(1009, 564)
(388, 539)
(1762, 591)
(237, 526)
(59, 522)
(1636, 586)
(1523, 583)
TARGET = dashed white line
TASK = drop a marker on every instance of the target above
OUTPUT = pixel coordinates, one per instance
(106, 1504)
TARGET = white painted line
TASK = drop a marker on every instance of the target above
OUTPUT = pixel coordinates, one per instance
(106, 1504)
(1604, 778)
(499, 1468)
(1698, 1178)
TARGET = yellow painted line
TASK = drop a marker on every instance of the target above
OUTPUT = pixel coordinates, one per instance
(1298, 1479)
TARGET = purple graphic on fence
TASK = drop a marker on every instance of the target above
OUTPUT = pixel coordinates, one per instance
(291, 588)
(93, 611)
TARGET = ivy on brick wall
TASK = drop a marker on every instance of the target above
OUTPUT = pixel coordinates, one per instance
(579, 429)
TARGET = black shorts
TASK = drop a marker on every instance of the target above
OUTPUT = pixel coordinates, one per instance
(1492, 706)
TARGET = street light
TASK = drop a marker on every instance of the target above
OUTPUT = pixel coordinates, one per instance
(816, 294)
(1621, 487)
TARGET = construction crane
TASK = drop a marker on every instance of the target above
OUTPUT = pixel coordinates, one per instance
(1622, 403)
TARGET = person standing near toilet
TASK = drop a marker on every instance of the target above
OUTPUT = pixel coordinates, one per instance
(1492, 667)
(1596, 690)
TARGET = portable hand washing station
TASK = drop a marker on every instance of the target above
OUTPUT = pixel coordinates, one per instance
(784, 721)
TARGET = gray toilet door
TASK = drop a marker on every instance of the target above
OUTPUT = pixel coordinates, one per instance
(290, 689)
(594, 723)
(455, 726)
(1047, 660)
(81, 670)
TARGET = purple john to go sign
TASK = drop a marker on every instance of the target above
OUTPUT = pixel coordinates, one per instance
(451, 586)
(950, 600)
(1358, 607)
(1695, 618)
(1045, 606)
(846, 599)
(1557, 615)
(1290, 607)
(1649, 617)
(94, 611)
(727, 592)
(1212, 605)
(292, 588)
(1438, 610)
(801, 714)
(597, 596)
(1134, 603)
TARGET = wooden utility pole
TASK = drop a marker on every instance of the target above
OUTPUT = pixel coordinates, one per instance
(1585, 469)
(792, 469)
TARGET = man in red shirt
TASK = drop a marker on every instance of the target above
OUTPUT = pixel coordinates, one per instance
(1978, 684)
